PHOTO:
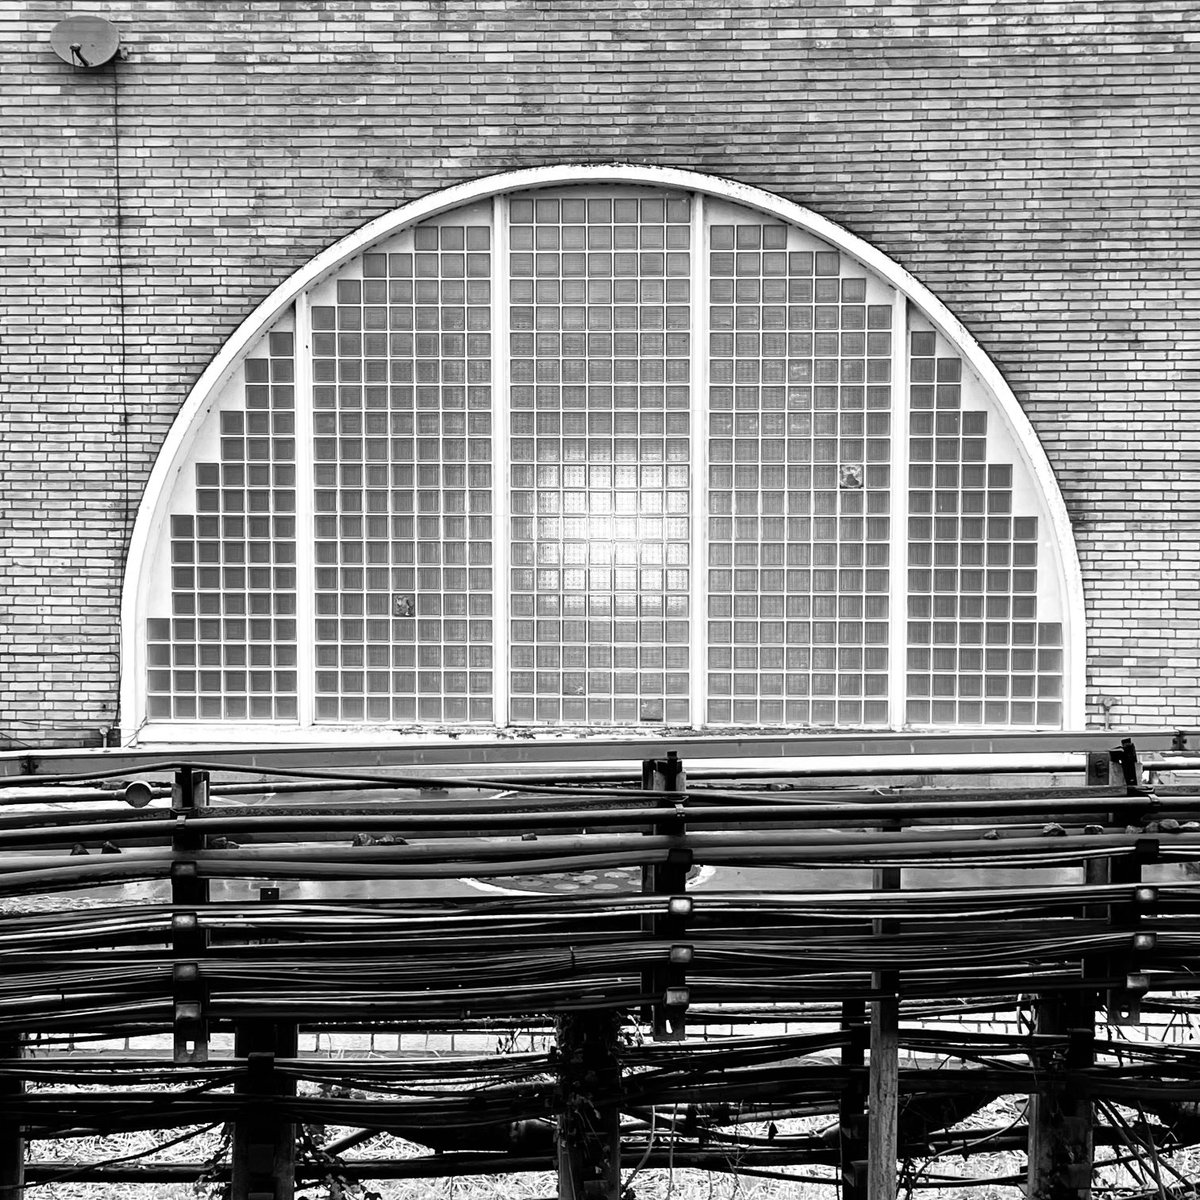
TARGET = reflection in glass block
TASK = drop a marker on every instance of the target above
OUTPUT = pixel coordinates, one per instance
(604, 497)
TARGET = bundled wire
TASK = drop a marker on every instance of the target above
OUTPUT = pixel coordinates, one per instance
(407, 947)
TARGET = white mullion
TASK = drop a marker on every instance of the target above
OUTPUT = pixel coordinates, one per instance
(898, 551)
(698, 625)
(501, 458)
(306, 681)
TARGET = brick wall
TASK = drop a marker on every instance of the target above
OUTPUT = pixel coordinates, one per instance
(1027, 160)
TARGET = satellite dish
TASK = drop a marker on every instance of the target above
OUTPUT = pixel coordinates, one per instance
(87, 42)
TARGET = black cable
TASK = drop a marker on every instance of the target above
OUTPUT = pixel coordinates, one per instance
(83, 1168)
(122, 301)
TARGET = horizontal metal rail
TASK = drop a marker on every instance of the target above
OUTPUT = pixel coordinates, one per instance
(467, 754)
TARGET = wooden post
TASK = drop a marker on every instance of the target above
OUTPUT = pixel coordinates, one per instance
(1061, 1140)
(589, 1132)
(883, 1079)
(264, 1146)
(852, 1104)
(12, 1140)
(1061, 1133)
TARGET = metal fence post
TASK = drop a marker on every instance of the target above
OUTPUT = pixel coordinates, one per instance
(189, 895)
(666, 983)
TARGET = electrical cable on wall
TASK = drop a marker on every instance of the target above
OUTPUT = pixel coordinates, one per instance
(122, 310)
(122, 357)
(88, 44)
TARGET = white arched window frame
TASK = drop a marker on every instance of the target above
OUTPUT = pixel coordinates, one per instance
(288, 313)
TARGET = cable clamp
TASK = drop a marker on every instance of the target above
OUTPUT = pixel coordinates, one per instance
(190, 1024)
(1145, 850)
(680, 858)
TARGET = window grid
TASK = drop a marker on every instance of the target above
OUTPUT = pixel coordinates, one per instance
(977, 652)
(599, 396)
(402, 460)
(228, 650)
(799, 484)
(601, 350)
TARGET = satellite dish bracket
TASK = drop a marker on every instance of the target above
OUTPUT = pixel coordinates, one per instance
(86, 42)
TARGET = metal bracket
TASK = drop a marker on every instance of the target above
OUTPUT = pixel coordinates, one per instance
(1124, 1002)
(190, 1021)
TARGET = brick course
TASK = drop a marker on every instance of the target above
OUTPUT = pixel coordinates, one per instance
(1032, 162)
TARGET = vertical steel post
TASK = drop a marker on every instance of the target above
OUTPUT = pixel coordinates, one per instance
(666, 983)
(589, 1131)
(189, 895)
(12, 1139)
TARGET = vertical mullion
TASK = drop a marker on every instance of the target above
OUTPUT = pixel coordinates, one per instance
(898, 552)
(501, 457)
(698, 625)
(306, 682)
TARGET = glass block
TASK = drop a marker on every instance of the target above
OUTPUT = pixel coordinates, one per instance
(600, 328)
(624, 313)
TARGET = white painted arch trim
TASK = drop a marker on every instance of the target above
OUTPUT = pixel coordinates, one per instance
(174, 447)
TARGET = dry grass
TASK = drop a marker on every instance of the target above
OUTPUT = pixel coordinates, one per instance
(648, 1184)
(976, 1172)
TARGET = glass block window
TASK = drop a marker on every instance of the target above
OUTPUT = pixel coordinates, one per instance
(403, 475)
(600, 349)
(979, 650)
(799, 482)
(223, 648)
(603, 455)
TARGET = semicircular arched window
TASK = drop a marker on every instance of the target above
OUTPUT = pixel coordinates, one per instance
(603, 446)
